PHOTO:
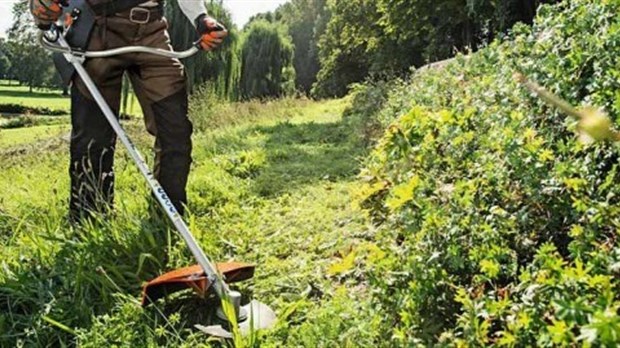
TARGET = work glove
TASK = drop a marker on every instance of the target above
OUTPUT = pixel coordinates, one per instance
(45, 12)
(211, 32)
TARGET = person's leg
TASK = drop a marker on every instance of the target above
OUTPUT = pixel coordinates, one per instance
(93, 139)
(92, 156)
(160, 86)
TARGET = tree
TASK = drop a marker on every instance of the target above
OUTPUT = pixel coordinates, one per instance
(388, 37)
(305, 22)
(5, 63)
(220, 68)
(35, 68)
(266, 61)
(351, 34)
(304, 19)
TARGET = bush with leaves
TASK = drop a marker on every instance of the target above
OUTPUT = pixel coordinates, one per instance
(499, 226)
(367, 99)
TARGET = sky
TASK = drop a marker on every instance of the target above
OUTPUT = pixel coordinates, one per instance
(241, 10)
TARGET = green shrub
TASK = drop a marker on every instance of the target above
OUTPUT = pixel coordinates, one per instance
(366, 101)
(22, 109)
(19, 122)
(245, 164)
(499, 227)
(31, 121)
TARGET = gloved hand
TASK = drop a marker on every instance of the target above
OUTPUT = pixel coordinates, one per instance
(211, 32)
(45, 12)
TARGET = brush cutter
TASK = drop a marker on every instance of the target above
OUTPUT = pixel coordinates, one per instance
(205, 276)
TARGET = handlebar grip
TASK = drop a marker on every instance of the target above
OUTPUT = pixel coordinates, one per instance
(44, 26)
(217, 27)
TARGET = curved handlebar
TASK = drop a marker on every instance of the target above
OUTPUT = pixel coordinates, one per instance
(54, 47)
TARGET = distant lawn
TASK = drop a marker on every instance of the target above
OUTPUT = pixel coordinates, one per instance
(15, 94)
(49, 98)
(21, 136)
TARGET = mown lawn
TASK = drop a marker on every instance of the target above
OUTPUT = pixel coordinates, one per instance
(48, 98)
(273, 190)
(30, 135)
(15, 94)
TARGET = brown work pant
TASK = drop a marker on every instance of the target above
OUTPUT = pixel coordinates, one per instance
(160, 86)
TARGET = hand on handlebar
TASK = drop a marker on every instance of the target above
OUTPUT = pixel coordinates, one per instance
(46, 12)
(211, 32)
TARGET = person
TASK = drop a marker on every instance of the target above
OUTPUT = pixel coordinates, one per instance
(159, 84)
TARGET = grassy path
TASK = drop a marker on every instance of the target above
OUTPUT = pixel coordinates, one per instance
(274, 191)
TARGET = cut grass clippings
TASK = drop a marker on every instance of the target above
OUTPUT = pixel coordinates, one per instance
(272, 188)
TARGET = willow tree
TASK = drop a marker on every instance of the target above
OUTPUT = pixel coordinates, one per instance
(220, 68)
(266, 61)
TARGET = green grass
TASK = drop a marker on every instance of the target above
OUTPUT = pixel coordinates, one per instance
(49, 98)
(23, 136)
(272, 189)
(15, 94)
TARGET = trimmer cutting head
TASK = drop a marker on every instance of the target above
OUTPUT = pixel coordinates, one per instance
(193, 277)
(252, 317)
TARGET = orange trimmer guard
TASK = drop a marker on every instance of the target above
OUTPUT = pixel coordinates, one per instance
(193, 277)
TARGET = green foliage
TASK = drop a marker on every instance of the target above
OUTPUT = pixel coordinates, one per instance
(35, 68)
(245, 164)
(19, 122)
(367, 100)
(303, 18)
(344, 47)
(266, 61)
(387, 37)
(329, 326)
(219, 68)
(5, 63)
(284, 205)
(208, 112)
(499, 227)
(22, 109)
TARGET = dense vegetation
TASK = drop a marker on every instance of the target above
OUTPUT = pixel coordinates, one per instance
(387, 37)
(270, 186)
(332, 43)
(305, 21)
(450, 207)
(498, 226)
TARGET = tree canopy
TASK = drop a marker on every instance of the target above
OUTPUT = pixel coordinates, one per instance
(388, 37)
(317, 47)
(266, 61)
(220, 68)
(35, 68)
